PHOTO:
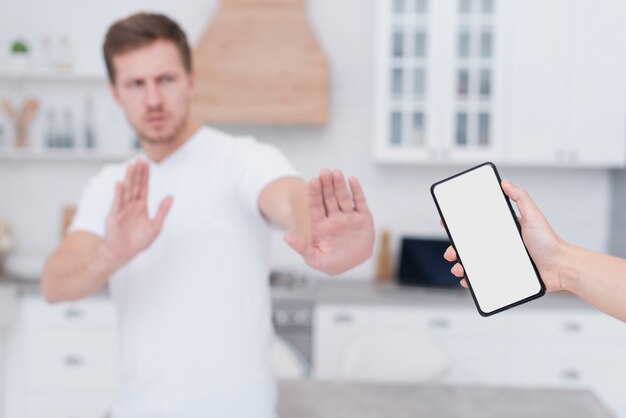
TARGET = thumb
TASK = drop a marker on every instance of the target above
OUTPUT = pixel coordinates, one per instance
(164, 208)
(525, 204)
(298, 244)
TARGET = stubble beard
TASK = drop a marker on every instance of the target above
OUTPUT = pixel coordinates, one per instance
(165, 137)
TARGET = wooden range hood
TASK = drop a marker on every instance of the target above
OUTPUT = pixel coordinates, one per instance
(260, 63)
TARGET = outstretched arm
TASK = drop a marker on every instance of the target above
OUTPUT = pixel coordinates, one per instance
(329, 223)
(83, 262)
(597, 278)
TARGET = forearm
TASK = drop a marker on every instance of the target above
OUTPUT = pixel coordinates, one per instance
(284, 203)
(70, 275)
(597, 278)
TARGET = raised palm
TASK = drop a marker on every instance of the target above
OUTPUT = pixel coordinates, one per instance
(129, 229)
(342, 228)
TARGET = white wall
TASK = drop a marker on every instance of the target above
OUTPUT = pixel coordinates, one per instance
(31, 195)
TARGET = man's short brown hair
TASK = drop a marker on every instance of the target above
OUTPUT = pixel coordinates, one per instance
(139, 30)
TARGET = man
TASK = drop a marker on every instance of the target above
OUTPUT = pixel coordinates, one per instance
(179, 235)
(597, 278)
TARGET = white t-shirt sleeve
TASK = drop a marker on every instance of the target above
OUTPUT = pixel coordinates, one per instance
(257, 165)
(95, 203)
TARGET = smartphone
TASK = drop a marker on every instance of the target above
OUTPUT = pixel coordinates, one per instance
(486, 235)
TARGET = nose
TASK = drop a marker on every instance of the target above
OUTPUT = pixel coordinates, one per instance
(153, 95)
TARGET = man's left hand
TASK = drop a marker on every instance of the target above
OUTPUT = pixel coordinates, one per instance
(342, 228)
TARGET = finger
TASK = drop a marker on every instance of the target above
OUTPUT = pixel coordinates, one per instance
(464, 283)
(441, 222)
(299, 244)
(136, 179)
(128, 192)
(328, 194)
(145, 181)
(458, 270)
(521, 197)
(316, 203)
(358, 195)
(164, 208)
(450, 254)
(118, 200)
(341, 192)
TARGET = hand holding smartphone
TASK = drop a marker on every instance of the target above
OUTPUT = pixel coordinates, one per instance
(485, 233)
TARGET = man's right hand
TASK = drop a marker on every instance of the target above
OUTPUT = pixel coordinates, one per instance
(129, 230)
(543, 244)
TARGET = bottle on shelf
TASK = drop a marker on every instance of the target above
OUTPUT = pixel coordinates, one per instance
(384, 270)
(65, 57)
(68, 132)
(89, 131)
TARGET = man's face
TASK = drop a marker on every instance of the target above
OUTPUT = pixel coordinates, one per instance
(154, 89)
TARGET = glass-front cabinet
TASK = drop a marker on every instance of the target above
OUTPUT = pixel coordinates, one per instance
(464, 81)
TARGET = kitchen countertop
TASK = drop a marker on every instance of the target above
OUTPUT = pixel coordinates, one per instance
(362, 292)
(316, 399)
(375, 293)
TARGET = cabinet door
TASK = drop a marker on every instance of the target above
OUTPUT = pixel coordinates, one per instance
(567, 96)
(540, 76)
(334, 328)
(404, 78)
(599, 84)
(472, 55)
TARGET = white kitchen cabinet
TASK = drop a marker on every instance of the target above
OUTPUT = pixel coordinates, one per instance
(522, 347)
(435, 99)
(62, 359)
(537, 82)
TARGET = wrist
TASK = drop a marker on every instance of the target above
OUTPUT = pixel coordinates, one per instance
(110, 260)
(566, 267)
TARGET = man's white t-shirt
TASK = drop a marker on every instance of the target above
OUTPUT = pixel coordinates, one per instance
(194, 308)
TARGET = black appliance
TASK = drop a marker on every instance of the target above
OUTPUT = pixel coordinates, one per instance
(422, 263)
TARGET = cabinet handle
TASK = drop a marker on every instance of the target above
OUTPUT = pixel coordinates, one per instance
(440, 322)
(74, 313)
(570, 374)
(343, 318)
(281, 317)
(301, 317)
(572, 327)
(74, 360)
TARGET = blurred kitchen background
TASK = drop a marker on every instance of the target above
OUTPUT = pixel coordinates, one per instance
(411, 91)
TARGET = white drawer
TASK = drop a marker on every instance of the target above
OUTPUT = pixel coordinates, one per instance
(591, 325)
(468, 323)
(600, 367)
(62, 405)
(70, 360)
(90, 313)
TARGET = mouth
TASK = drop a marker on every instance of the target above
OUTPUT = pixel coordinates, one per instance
(156, 120)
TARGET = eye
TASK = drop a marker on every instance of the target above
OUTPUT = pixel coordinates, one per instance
(168, 78)
(135, 83)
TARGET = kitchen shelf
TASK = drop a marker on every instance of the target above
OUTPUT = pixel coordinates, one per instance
(62, 155)
(34, 76)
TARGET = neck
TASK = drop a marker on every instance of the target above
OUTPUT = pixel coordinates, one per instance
(159, 152)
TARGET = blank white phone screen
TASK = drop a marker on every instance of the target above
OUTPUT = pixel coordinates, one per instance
(485, 235)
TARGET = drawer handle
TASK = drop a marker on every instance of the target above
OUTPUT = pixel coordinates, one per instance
(440, 322)
(343, 318)
(572, 327)
(570, 374)
(74, 360)
(74, 313)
